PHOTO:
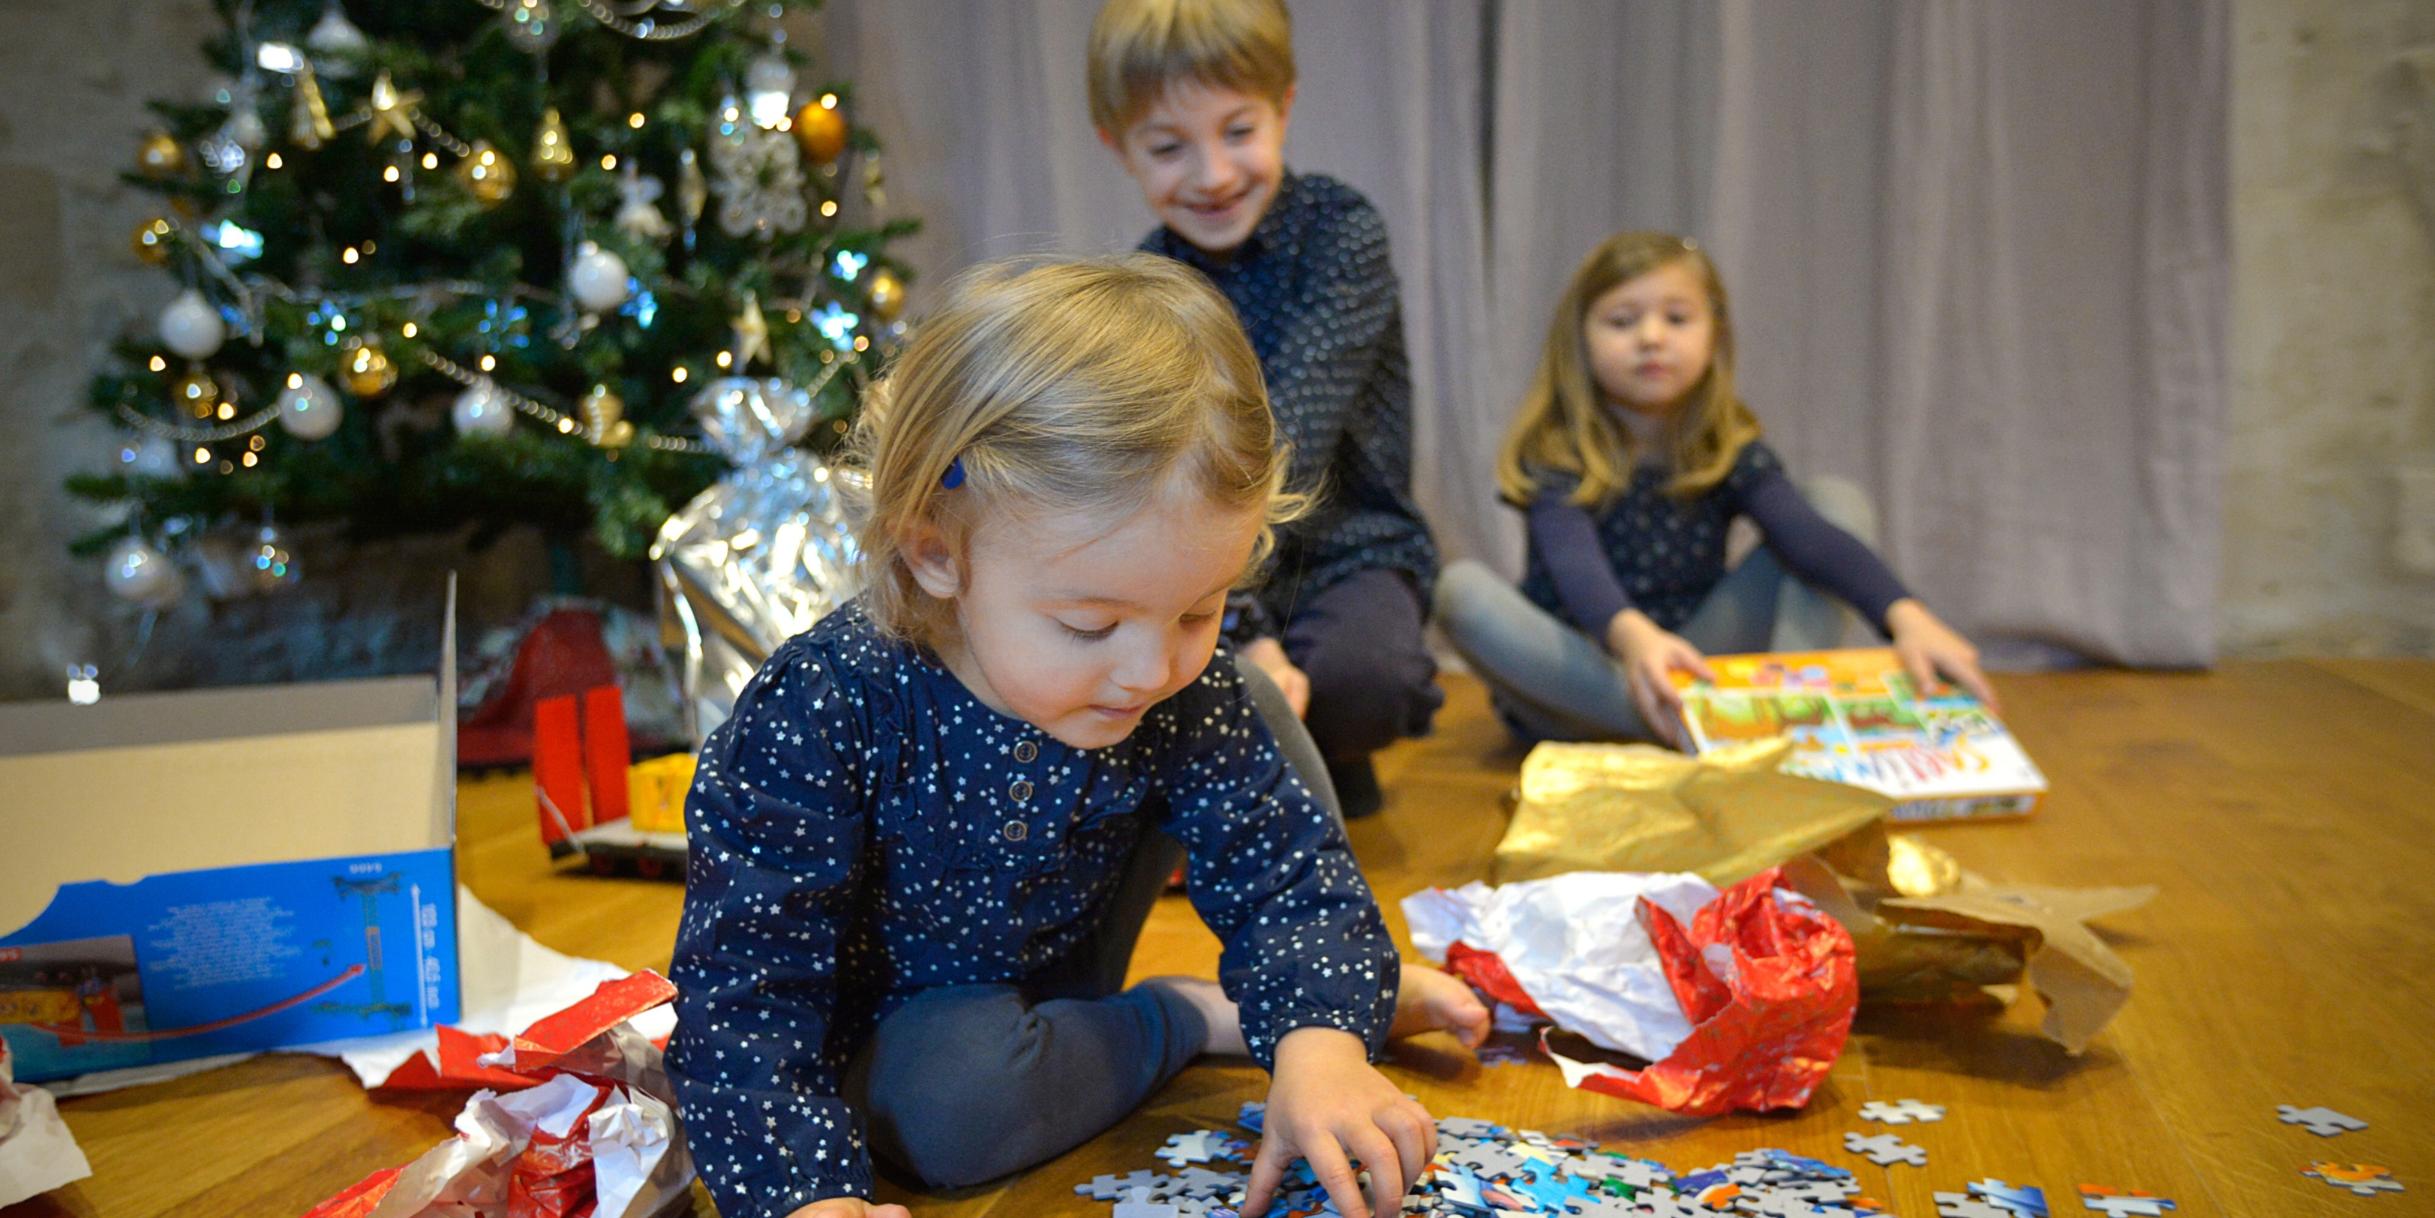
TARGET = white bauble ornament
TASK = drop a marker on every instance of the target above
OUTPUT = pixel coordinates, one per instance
(141, 574)
(597, 278)
(150, 457)
(308, 407)
(191, 327)
(483, 410)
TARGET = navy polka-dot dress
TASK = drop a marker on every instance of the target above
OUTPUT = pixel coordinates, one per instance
(863, 828)
(1316, 293)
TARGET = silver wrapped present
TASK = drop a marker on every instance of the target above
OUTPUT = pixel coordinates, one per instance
(761, 555)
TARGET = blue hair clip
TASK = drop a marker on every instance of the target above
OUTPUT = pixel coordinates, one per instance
(954, 477)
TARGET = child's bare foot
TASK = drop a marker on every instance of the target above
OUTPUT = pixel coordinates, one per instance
(1225, 1020)
(1429, 1001)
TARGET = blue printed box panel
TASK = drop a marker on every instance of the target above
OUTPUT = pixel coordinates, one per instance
(199, 963)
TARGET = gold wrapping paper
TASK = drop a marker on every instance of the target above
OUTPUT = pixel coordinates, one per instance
(1724, 817)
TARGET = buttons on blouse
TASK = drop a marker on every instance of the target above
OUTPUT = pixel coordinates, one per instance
(1020, 791)
(1014, 831)
(1025, 752)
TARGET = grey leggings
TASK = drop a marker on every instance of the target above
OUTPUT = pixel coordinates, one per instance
(967, 1083)
(1550, 681)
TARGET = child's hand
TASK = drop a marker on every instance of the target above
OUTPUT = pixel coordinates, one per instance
(1929, 648)
(1649, 652)
(850, 1207)
(1329, 1106)
(1269, 655)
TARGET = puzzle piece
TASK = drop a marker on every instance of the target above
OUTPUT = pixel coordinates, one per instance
(1116, 1188)
(2026, 1202)
(2124, 1203)
(1885, 1150)
(1963, 1205)
(2364, 1179)
(1901, 1112)
(2321, 1121)
(1139, 1205)
(1199, 1146)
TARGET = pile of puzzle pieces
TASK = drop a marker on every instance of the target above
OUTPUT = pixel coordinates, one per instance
(1484, 1170)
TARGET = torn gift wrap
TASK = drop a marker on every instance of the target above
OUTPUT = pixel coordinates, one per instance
(37, 1153)
(1747, 1007)
(597, 1136)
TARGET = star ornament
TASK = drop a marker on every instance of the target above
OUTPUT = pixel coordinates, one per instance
(751, 332)
(392, 111)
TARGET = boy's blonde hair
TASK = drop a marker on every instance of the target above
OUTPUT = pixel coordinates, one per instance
(1565, 425)
(1082, 385)
(1140, 47)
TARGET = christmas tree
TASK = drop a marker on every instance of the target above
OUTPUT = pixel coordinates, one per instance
(473, 261)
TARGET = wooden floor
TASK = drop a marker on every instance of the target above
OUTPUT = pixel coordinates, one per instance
(2285, 809)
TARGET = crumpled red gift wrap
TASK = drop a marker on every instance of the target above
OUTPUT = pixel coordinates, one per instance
(1770, 984)
(533, 1147)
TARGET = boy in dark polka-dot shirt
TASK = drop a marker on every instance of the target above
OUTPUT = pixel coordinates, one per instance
(1193, 97)
(925, 841)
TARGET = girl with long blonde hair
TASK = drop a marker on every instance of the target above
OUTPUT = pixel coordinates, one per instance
(1632, 455)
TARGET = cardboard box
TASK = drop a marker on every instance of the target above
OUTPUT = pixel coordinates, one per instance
(191, 874)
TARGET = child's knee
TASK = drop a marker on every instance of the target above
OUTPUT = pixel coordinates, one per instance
(1466, 598)
(947, 1079)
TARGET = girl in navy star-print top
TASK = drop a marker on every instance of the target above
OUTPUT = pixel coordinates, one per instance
(1631, 455)
(922, 844)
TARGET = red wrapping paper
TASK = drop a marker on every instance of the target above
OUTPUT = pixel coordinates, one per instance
(1766, 1029)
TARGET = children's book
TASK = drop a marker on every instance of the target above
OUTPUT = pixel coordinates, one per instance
(1855, 716)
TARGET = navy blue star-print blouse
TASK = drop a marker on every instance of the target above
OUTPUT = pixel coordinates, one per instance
(1316, 293)
(1645, 550)
(863, 828)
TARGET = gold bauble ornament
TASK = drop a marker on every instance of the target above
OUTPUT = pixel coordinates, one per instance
(160, 156)
(604, 418)
(366, 369)
(487, 175)
(887, 294)
(821, 131)
(553, 150)
(153, 239)
(196, 392)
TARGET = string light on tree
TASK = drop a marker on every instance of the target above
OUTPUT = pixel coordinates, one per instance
(153, 240)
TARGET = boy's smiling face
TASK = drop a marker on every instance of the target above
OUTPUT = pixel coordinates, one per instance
(1209, 160)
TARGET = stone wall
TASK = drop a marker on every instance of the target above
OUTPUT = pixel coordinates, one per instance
(2329, 541)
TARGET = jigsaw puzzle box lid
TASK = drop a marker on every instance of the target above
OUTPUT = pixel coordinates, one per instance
(227, 870)
(1854, 716)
